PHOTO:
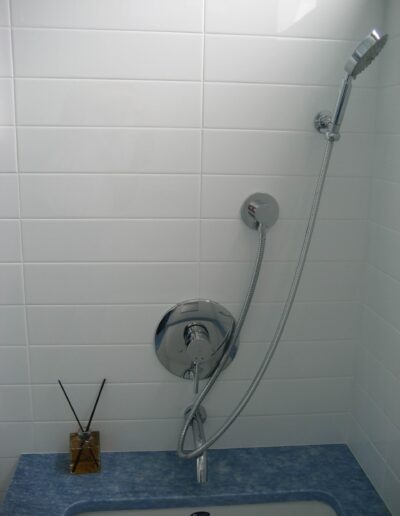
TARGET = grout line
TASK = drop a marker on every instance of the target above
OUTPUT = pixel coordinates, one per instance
(201, 193)
(104, 78)
(106, 30)
(23, 279)
(27, 28)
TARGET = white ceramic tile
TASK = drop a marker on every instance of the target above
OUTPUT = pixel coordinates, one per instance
(7, 468)
(9, 196)
(224, 240)
(330, 19)
(292, 360)
(387, 155)
(373, 421)
(4, 12)
(15, 403)
(274, 397)
(109, 150)
(13, 365)
(381, 339)
(345, 198)
(321, 281)
(379, 383)
(11, 288)
(156, 15)
(367, 455)
(73, 196)
(64, 325)
(384, 250)
(105, 54)
(110, 283)
(118, 401)
(254, 59)
(389, 73)
(120, 364)
(392, 13)
(8, 150)
(5, 53)
(388, 111)
(383, 295)
(384, 208)
(10, 251)
(6, 102)
(86, 364)
(307, 321)
(266, 153)
(142, 401)
(12, 326)
(256, 106)
(108, 103)
(16, 438)
(282, 430)
(128, 240)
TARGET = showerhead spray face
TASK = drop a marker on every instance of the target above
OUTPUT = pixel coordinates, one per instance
(362, 57)
(365, 53)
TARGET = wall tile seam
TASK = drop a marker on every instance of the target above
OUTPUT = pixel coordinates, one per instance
(39, 422)
(387, 372)
(376, 268)
(21, 251)
(55, 28)
(266, 381)
(165, 303)
(147, 345)
(143, 262)
(91, 30)
(257, 84)
(369, 442)
(384, 417)
(167, 262)
(178, 419)
(158, 128)
(186, 218)
(382, 226)
(382, 318)
(316, 302)
(385, 480)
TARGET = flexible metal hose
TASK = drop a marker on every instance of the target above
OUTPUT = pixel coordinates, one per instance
(278, 332)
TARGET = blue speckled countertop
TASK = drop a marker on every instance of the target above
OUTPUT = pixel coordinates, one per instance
(43, 486)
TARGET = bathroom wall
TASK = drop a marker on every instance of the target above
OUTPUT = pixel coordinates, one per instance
(140, 129)
(375, 435)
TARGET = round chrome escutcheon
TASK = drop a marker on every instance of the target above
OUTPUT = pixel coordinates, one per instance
(191, 332)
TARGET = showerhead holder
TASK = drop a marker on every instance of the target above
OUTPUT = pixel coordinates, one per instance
(328, 123)
(323, 124)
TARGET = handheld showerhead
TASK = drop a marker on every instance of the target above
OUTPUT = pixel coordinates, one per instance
(362, 57)
(365, 53)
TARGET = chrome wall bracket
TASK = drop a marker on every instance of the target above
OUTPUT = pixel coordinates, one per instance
(192, 337)
(260, 208)
(323, 123)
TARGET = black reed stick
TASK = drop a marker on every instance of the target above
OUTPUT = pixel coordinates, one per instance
(95, 405)
(78, 458)
(72, 408)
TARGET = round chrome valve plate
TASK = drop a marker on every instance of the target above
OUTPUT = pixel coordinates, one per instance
(194, 332)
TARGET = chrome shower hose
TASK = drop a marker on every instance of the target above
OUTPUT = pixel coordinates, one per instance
(242, 317)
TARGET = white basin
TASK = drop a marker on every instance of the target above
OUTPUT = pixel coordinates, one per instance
(268, 509)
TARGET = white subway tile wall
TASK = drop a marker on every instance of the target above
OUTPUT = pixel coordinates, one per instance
(140, 128)
(375, 429)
